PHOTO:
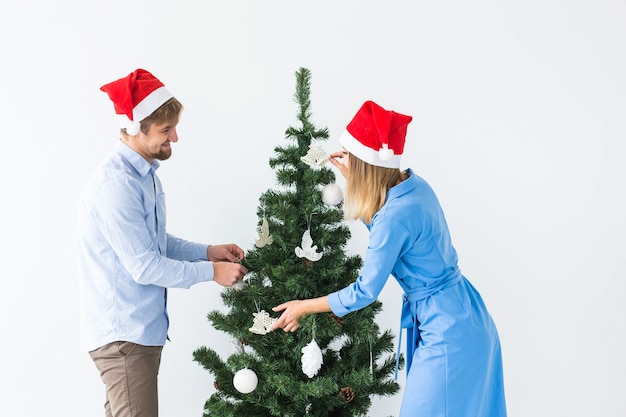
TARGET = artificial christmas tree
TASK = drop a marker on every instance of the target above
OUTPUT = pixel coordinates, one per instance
(331, 366)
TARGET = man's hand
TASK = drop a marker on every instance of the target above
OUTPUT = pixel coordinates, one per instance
(228, 252)
(228, 273)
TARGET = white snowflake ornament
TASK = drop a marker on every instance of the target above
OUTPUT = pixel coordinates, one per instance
(311, 359)
(307, 249)
(262, 323)
(315, 157)
(264, 237)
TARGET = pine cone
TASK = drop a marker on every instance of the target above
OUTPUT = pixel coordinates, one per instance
(338, 320)
(347, 394)
(216, 384)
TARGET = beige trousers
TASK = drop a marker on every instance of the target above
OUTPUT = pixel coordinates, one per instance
(129, 372)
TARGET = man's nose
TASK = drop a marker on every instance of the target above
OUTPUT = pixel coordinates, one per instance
(173, 136)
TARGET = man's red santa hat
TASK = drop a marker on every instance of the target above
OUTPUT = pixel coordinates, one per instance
(376, 135)
(136, 97)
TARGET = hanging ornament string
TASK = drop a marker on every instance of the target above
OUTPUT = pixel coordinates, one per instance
(371, 358)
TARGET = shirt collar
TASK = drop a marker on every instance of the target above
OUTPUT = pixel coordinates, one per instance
(396, 191)
(137, 161)
(404, 187)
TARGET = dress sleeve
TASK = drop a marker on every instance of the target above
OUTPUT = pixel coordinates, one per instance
(387, 239)
(120, 215)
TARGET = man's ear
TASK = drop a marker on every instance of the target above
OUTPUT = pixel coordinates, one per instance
(128, 138)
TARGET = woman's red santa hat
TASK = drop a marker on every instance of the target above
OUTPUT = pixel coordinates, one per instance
(376, 135)
(136, 97)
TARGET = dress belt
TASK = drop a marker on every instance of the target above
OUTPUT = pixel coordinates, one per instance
(408, 316)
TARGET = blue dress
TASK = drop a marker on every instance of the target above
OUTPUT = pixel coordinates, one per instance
(454, 361)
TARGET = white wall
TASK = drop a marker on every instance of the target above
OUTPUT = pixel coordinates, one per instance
(519, 124)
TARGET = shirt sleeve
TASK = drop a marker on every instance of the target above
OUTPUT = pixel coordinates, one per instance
(184, 250)
(387, 238)
(120, 215)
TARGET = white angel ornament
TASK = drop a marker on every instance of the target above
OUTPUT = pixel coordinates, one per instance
(307, 249)
(315, 157)
(264, 237)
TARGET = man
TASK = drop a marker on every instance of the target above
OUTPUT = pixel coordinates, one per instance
(126, 258)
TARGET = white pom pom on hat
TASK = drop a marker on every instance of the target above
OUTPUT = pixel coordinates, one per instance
(136, 97)
(376, 135)
(132, 128)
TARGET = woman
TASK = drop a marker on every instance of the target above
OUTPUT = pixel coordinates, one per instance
(454, 362)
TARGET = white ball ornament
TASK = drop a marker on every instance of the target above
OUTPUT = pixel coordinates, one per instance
(245, 381)
(332, 194)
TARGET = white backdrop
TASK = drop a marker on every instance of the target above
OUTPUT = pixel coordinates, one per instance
(519, 125)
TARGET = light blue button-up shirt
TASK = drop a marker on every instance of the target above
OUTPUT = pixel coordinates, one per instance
(126, 259)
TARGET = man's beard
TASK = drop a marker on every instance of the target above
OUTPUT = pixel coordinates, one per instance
(163, 155)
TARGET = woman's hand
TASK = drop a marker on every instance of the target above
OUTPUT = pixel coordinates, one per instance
(294, 310)
(341, 160)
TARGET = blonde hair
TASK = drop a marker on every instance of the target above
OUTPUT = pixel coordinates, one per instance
(366, 188)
